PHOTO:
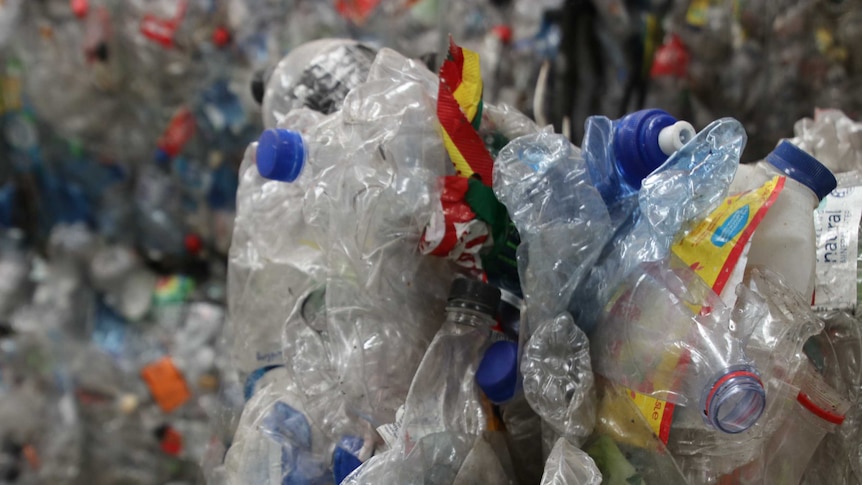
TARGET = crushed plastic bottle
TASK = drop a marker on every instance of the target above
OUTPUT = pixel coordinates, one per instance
(691, 183)
(499, 378)
(459, 344)
(568, 465)
(317, 75)
(665, 313)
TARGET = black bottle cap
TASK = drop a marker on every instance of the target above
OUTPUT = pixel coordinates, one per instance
(474, 295)
(161, 431)
(100, 52)
(258, 85)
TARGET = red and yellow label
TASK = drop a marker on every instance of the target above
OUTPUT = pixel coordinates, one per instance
(459, 106)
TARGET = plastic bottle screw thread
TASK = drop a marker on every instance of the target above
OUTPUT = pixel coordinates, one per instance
(735, 401)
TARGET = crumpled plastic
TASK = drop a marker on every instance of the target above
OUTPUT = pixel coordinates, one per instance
(558, 378)
(690, 184)
(568, 465)
(833, 138)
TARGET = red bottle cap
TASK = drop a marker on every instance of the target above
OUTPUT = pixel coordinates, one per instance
(221, 36)
(80, 7)
(193, 243)
(504, 32)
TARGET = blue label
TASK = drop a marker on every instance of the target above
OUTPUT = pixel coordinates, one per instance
(731, 227)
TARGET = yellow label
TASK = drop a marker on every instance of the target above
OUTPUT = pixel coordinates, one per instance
(713, 250)
(493, 422)
(10, 97)
(658, 413)
(697, 12)
(715, 246)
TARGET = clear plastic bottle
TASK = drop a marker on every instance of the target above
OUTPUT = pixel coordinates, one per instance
(317, 75)
(815, 410)
(544, 182)
(785, 241)
(665, 314)
(443, 395)
(127, 285)
(498, 377)
(14, 269)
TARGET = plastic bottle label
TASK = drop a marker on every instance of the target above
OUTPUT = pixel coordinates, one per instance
(391, 431)
(173, 289)
(836, 225)
(10, 94)
(716, 250)
(717, 245)
(180, 130)
(166, 383)
(330, 76)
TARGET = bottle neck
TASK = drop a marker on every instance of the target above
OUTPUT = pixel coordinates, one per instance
(794, 185)
(469, 317)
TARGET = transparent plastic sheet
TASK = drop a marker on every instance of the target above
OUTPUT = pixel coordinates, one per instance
(383, 297)
(567, 465)
(688, 186)
(558, 378)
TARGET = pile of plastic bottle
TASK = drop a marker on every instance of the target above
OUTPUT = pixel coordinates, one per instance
(123, 126)
(466, 246)
(425, 287)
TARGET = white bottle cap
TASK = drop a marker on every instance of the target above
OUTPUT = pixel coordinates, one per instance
(128, 403)
(673, 137)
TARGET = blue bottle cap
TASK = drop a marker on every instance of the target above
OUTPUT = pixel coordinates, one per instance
(161, 157)
(344, 459)
(497, 374)
(802, 167)
(7, 201)
(280, 154)
(636, 143)
(250, 384)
